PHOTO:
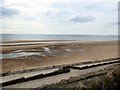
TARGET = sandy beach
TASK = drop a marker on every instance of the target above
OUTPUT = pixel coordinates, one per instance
(63, 53)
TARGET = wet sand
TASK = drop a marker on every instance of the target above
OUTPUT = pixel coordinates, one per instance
(60, 54)
(22, 41)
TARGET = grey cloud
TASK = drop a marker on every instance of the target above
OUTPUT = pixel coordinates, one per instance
(116, 23)
(8, 12)
(83, 19)
(112, 24)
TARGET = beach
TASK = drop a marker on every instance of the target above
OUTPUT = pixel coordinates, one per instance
(57, 54)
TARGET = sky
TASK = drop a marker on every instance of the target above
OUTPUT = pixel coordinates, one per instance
(81, 17)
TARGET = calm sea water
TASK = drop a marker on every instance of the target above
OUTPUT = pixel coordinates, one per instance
(57, 37)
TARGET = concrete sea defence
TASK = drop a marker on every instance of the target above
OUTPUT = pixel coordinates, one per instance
(56, 66)
(24, 79)
(62, 70)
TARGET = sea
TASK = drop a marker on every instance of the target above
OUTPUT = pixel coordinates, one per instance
(11, 37)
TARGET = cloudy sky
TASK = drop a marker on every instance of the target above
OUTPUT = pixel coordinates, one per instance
(91, 17)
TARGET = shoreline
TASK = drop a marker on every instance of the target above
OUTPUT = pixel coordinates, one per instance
(59, 54)
(20, 41)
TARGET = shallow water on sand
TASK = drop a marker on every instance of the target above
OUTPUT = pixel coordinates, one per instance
(19, 54)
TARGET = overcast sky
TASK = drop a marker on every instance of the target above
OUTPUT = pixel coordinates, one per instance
(91, 17)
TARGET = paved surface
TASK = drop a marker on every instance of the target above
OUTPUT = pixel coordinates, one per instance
(52, 79)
